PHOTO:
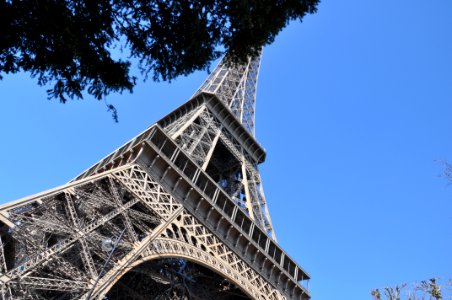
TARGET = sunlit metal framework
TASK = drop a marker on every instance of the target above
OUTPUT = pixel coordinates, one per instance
(181, 202)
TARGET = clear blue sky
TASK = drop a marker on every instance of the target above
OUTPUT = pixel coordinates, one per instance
(354, 108)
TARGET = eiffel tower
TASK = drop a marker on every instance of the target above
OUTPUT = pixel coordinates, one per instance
(178, 212)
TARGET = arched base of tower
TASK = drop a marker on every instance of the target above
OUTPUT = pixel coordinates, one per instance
(173, 278)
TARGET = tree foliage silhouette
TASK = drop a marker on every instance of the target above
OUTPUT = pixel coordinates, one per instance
(69, 43)
(430, 289)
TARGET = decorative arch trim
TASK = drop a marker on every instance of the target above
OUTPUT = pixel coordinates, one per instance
(169, 248)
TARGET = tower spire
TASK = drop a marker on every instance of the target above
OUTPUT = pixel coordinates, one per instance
(235, 85)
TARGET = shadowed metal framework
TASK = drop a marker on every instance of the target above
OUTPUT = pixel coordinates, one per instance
(178, 212)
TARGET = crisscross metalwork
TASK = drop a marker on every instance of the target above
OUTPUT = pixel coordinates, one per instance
(178, 212)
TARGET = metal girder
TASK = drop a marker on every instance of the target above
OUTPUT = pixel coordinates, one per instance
(175, 171)
(185, 194)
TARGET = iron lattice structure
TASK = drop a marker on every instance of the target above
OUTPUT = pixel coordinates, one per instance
(178, 212)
